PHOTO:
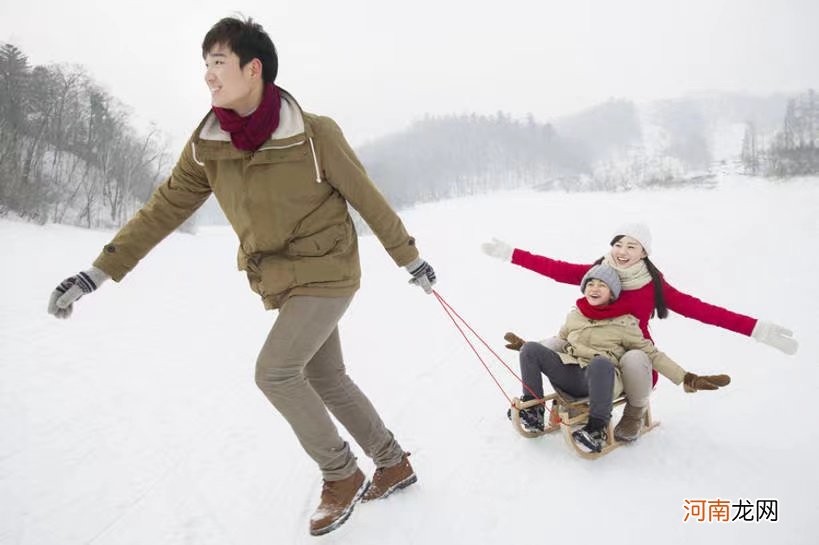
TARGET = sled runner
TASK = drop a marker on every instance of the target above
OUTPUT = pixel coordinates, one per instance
(569, 413)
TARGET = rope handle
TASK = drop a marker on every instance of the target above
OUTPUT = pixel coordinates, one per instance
(449, 312)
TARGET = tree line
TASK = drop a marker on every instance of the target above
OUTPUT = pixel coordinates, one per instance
(68, 150)
(602, 148)
(794, 148)
(444, 156)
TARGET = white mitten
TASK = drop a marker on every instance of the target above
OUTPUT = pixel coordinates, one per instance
(498, 249)
(776, 336)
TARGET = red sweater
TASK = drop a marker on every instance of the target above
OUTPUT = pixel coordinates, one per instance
(640, 302)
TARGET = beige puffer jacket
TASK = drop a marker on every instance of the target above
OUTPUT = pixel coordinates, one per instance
(611, 338)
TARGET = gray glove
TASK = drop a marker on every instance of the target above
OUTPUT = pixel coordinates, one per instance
(498, 249)
(776, 336)
(61, 302)
(422, 274)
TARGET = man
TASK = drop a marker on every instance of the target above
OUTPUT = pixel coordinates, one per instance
(283, 178)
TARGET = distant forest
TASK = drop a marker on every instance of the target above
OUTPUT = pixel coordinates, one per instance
(794, 148)
(69, 152)
(613, 146)
(440, 157)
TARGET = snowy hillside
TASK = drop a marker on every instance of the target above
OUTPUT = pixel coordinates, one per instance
(669, 141)
(138, 422)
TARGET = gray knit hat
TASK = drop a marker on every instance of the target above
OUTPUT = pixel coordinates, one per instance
(605, 273)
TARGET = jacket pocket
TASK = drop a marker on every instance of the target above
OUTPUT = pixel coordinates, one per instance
(321, 243)
(287, 154)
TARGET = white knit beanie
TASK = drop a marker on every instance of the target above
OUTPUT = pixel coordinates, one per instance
(637, 231)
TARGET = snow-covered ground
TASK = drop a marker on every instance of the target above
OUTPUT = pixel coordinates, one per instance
(137, 421)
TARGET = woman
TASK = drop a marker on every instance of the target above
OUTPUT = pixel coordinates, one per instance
(645, 294)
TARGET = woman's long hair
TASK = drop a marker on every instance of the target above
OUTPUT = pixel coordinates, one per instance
(660, 308)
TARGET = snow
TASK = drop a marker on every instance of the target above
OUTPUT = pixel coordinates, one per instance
(138, 421)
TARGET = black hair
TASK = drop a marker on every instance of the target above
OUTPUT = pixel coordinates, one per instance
(248, 40)
(660, 307)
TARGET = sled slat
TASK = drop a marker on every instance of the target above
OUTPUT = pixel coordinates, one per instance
(574, 412)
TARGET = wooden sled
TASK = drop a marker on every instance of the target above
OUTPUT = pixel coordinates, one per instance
(571, 414)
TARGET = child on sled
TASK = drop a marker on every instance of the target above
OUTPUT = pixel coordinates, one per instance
(596, 334)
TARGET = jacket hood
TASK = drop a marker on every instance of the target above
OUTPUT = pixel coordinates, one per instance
(291, 122)
(211, 142)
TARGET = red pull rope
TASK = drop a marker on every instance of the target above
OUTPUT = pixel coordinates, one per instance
(450, 311)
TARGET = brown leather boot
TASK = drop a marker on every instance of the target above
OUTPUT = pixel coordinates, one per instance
(337, 501)
(628, 429)
(389, 479)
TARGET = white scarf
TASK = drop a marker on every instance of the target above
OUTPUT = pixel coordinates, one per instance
(632, 277)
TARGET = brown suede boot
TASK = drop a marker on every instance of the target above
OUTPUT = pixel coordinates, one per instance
(389, 479)
(628, 429)
(337, 501)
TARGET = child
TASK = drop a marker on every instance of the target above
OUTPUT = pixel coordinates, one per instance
(596, 336)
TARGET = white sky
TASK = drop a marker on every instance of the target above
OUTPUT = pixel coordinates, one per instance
(375, 66)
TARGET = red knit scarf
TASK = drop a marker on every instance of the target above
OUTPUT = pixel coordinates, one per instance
(248, 133)
(603, 312)
(600, 312)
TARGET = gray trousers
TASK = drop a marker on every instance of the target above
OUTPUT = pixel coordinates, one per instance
(301, 371)
(635, 368)
(596, 380)
(636, 373)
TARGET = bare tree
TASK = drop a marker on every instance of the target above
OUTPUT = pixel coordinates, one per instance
(68, 152)
(750, 152)
(795, 148)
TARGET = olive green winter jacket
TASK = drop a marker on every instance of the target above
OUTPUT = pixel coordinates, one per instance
(287, 203)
